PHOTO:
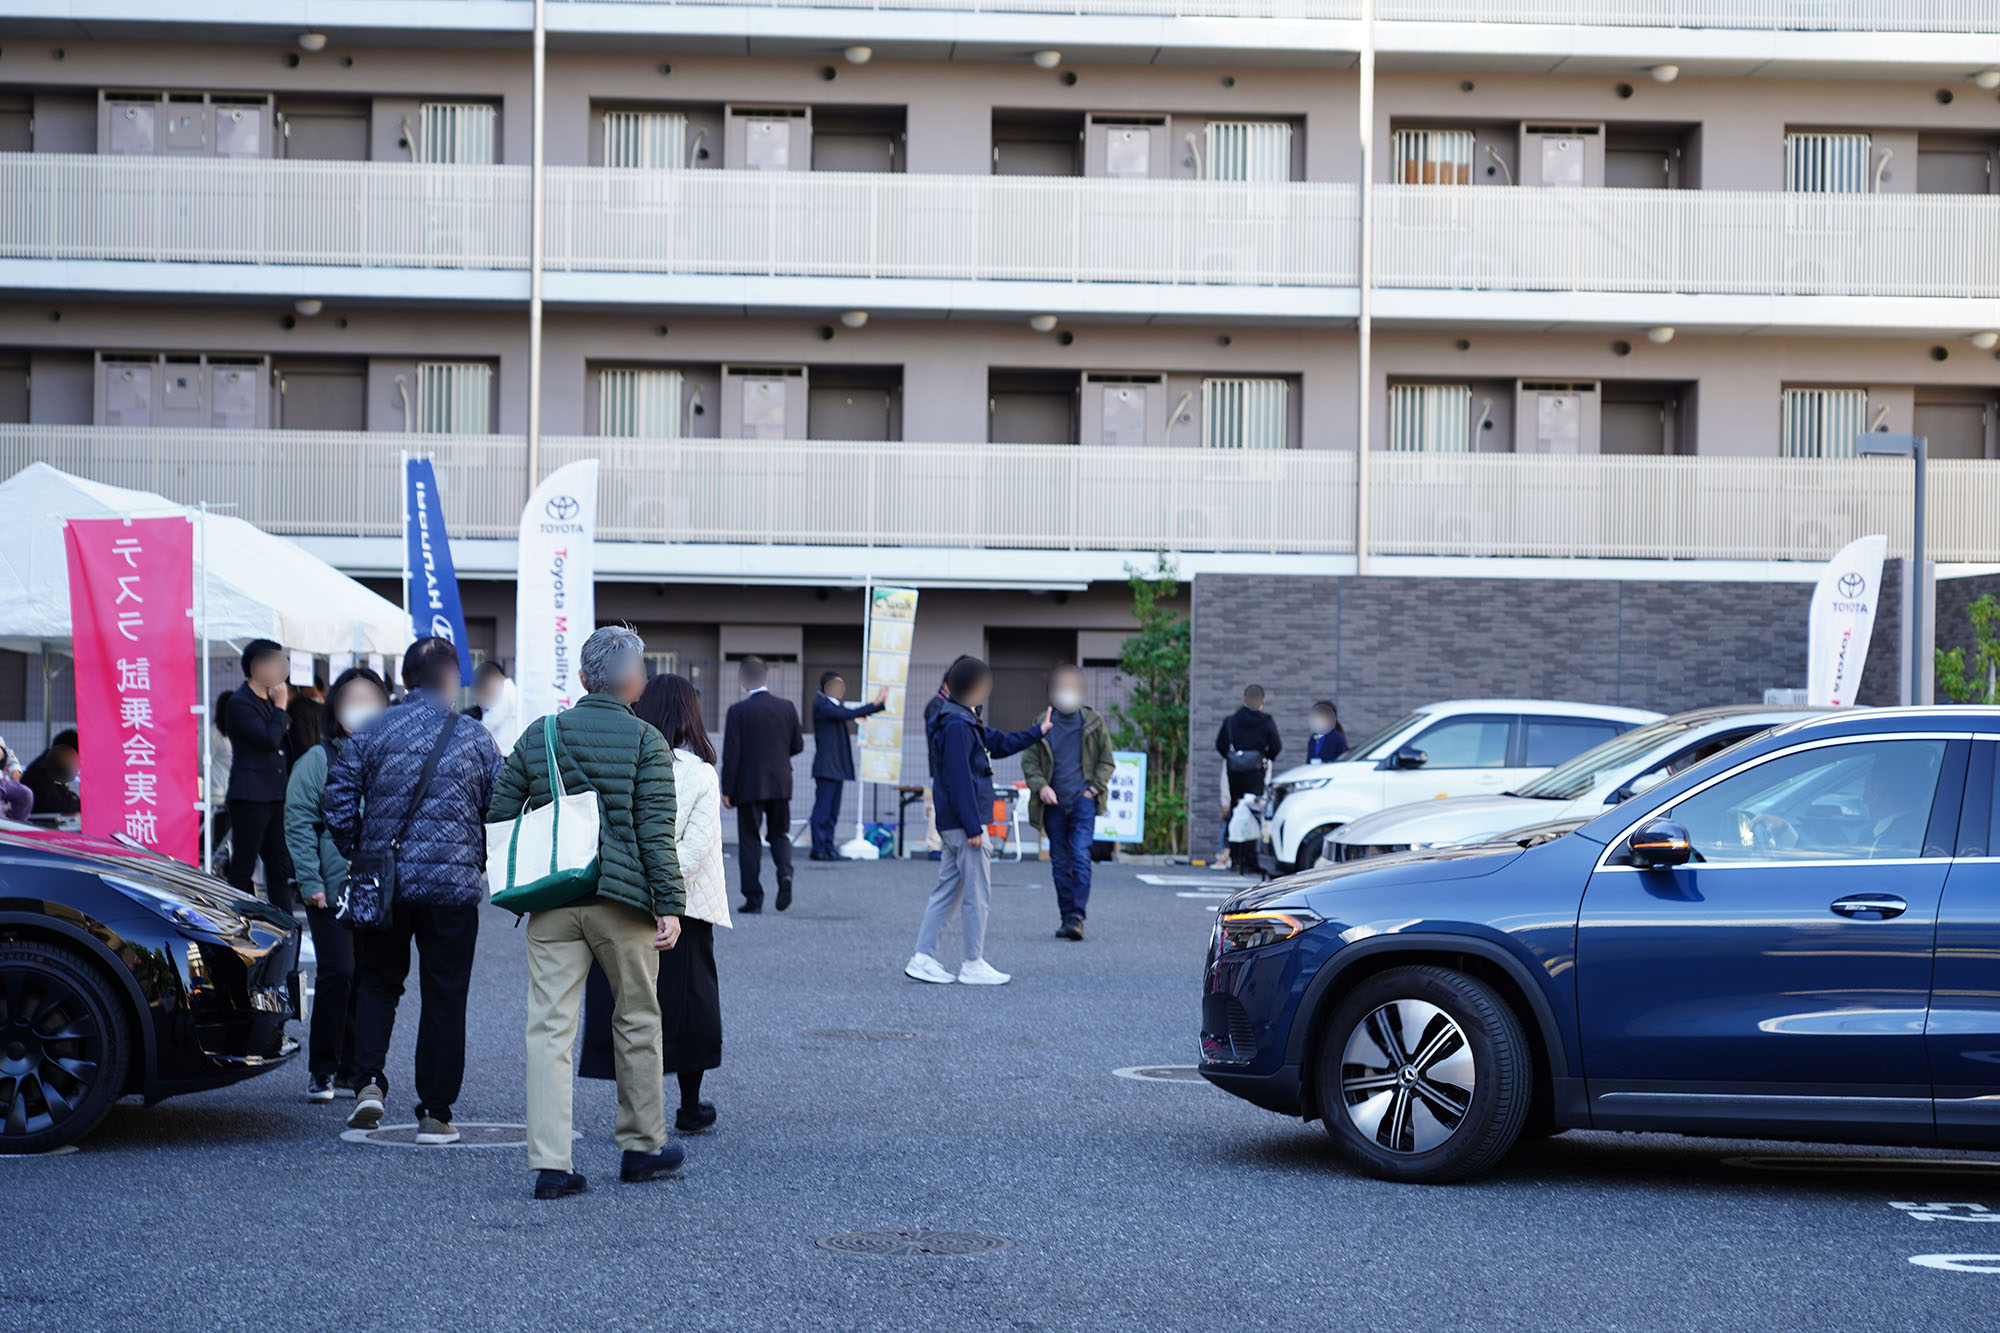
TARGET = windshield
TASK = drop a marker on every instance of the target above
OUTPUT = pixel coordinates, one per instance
(1372, 748)
(1567, 781)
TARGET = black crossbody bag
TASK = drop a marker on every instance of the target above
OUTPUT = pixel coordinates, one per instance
(1242, 762)
(369, 891)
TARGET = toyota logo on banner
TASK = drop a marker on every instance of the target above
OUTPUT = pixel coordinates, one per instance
(1852, 585)
(561, 508)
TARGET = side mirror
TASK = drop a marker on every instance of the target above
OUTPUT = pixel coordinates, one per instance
(1411, 757)
(1644, 782)
(1661, 843)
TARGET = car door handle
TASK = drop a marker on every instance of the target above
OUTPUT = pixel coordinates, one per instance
(1870, 906)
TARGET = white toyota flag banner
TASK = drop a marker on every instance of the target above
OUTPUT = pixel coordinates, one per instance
(1843, 617)
(555, 605)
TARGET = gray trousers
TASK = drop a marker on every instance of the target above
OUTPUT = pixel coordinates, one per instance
(964, 878)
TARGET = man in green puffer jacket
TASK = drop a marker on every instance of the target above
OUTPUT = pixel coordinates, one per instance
(635, 912)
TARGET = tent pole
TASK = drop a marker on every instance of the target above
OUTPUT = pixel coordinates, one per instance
(48, 718)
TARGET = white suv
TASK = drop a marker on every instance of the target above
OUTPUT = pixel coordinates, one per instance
(1461, 747)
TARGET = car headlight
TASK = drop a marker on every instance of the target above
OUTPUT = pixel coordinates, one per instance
(208, 920)
(1254, 930)
(1308, 784)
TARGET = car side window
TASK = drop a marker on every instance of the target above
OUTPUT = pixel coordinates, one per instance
(1865, 800)
(1466, 742)
(1554, 740)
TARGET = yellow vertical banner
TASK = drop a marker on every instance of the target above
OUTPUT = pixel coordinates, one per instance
(892, 624)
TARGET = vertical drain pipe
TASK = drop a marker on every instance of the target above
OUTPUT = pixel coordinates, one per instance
(537, 208)
(1365, 280)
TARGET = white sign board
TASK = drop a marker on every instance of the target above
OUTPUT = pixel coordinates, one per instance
(1123, 818)
(892, 624)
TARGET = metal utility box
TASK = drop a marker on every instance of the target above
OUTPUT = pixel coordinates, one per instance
(767, 138)
(184, 391)
(185, 124)
(1128, 147)
(764, 402)
(1556, 418)
(1562, 157)
(1125, 411)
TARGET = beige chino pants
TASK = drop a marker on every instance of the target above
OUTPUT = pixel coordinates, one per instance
(561, 943)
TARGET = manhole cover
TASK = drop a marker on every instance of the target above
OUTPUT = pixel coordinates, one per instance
(1161, 1073)
(907, 1244)
(470, 1135)
(858, 1034)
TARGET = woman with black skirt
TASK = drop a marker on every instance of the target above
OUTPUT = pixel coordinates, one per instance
(690, 1004)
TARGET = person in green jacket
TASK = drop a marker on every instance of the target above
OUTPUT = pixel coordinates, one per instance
(1067, 772)
(356, 697)
(634, 913)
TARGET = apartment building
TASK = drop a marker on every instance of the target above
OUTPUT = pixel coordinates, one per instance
(1000, 301)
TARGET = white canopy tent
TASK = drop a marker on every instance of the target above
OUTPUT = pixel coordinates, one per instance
(257, 585)
(248, 584)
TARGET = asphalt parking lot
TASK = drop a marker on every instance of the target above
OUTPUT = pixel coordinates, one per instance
(855, 1101)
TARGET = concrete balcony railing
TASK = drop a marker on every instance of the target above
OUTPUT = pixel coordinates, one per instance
(1963, 16)
(996, 229)
(1052, 497)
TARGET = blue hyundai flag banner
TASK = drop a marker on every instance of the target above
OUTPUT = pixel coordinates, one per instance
(433, 589)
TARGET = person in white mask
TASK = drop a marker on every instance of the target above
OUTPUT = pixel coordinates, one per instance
(499, 701)
(357, 698)
(1069, 770)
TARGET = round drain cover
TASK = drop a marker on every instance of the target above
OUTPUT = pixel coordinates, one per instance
(1161, 1073)
(911, 1243)
(470, 1135)
(858, 1034)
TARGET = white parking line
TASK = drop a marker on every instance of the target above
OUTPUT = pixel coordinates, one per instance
(1193, 881)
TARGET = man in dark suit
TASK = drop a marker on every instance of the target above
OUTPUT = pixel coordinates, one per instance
(759, 737)
(833, 757)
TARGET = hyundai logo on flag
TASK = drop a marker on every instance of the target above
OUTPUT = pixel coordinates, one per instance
(561, 508)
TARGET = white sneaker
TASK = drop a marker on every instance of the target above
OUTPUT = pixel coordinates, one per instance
(923, 967)
(979, 972)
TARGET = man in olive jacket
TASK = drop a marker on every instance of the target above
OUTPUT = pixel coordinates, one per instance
(602, 746)
(1068, 771)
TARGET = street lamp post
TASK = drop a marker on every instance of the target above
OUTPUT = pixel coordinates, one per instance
(1916, 688)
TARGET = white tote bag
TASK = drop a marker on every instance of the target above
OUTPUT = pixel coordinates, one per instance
(546, 856)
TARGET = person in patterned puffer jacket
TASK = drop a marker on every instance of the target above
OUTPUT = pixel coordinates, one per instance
(440, 880)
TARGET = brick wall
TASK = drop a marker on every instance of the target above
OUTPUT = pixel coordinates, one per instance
(1379, 646)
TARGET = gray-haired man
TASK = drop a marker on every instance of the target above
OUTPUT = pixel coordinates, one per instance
(634, 913)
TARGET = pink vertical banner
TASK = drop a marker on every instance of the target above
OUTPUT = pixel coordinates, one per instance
(131, 595)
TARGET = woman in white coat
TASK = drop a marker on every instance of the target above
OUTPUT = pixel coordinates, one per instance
(690, 1002)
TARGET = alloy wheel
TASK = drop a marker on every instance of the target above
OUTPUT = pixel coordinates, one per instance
(1407, 1076)
(51, 1047)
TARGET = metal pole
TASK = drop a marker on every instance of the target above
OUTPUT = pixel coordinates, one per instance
(861, 783)
(207, 699)
(403, 528)
(48, 700)
(536, 206)
(1364, 327)
(1922, 676)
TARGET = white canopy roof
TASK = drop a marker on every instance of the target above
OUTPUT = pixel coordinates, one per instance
(259, 586)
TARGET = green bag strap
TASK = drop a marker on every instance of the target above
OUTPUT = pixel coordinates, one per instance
(556, 793)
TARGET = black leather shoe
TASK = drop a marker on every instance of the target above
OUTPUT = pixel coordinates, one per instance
(694, 1119)
(559, 1184)
(750, 909)
(1070, 929)
(784, 894)
(822, 856)
(638, 1167)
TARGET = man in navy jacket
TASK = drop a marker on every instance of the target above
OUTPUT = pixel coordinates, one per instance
(833, 757)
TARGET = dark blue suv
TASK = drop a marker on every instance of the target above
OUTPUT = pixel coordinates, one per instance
(1797, 939)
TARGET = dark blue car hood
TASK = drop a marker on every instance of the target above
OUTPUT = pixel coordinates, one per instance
(1383, 872)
